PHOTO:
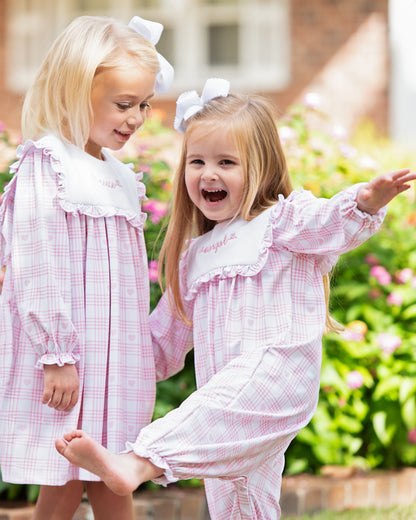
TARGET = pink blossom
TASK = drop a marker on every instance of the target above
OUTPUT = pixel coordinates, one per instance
(371, 259)
(388, 342)
(411, 436)
(286, 133)
(153, 276)
(374, 293)
(156, 208)
(144, 168)
(394, 298)
(381, 274)
(339, 132)
(368, 163)
(355, 379)
(347, 151)
(312, 100)
(404, 275)
(352, 335)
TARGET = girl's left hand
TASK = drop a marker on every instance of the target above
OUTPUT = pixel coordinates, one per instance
(381, 190)
(60, 387)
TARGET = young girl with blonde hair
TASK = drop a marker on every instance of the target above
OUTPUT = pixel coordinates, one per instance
(75, 344)
(245, 257)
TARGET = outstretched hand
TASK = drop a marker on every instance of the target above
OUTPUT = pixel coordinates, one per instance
(381, 190)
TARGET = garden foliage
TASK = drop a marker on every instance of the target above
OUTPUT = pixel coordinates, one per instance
(366, 416)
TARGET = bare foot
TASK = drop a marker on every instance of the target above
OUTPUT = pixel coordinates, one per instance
(122, 473)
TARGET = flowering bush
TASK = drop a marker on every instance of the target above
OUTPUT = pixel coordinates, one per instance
(366, 416)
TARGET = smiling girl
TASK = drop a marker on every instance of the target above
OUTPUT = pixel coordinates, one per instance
(75, 345)
(245, 257)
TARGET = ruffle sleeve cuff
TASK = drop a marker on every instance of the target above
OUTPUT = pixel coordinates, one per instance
(58, 358)
(141, 451)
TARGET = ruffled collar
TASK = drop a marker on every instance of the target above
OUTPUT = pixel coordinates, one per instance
(238, 245)
(88, 185)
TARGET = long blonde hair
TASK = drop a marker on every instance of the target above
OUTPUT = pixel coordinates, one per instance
(252, 125)
(59, 99)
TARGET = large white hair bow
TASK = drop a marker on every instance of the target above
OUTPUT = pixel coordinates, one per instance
(152, 31)
(189, 103)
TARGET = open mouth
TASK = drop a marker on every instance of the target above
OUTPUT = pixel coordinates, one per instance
(214, 195)
(124, 135)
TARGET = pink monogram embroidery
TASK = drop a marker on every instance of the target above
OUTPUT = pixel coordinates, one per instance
(217, 245)
(110, 184)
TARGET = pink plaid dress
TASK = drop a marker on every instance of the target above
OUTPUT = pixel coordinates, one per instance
(75, 291)
(255, 295)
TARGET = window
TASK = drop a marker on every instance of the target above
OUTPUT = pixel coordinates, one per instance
(245, 41)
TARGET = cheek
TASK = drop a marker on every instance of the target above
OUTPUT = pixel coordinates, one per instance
(190, 182)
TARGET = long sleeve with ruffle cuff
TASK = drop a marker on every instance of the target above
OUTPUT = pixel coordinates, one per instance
(61, 359)
(37, 248)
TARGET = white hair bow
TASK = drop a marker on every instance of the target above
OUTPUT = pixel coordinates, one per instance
(189, 103)
(152, 31)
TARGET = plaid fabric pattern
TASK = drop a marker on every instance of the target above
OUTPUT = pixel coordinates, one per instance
(257, 332)
(76, 287)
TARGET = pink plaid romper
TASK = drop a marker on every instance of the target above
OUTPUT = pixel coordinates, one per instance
(254, 293)
(75, 290)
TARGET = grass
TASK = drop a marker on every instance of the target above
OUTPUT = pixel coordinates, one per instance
(394, 513)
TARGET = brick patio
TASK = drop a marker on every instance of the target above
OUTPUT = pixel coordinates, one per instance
(300, 494)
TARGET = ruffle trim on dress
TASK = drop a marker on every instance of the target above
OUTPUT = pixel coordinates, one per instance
(231, 271)
(50, 146)
(140, 451)
(59, 358)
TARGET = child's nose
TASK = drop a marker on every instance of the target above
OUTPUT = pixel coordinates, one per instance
(209, 173)
(136, 117)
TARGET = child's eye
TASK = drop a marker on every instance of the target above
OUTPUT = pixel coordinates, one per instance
(123, 106)
(197, 161)
(226, 162)
(145, 106)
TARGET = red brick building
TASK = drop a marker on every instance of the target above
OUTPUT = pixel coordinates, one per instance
(339, 48)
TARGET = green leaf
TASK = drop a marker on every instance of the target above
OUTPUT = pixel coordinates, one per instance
(384, 433)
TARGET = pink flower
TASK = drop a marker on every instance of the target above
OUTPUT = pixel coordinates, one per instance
(368, 163)
(374, 293)
(352, 335)
(411, 436)
(347, 151)
(355, 379)
(388, 342)
(156, 208)
(381, 274)
(145, 168)
(371, 259)
(339, 132)
(394, 298)
(312, 100)
(404, 275)
(286, 133)
(153, 276)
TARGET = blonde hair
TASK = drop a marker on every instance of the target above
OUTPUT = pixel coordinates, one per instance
(252, 125)
(59, 100)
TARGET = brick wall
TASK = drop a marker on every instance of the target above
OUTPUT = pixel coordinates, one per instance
(338, 47)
